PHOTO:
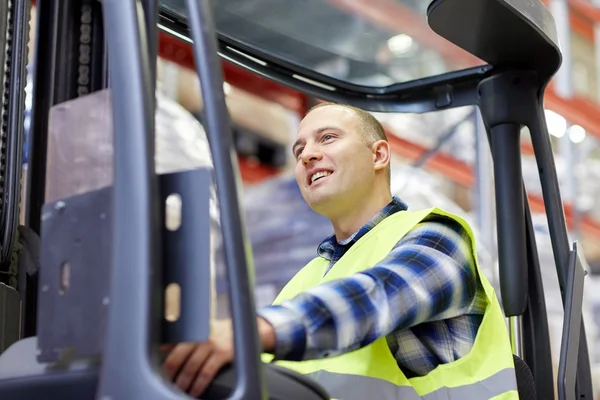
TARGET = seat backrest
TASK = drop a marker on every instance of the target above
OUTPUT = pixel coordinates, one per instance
(525, 382)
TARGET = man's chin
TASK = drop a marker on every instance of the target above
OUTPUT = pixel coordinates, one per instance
(322, 203)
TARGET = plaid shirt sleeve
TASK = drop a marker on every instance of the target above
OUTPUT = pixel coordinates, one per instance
(429, 275)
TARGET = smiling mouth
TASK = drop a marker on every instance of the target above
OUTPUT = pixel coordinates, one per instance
(318, 176)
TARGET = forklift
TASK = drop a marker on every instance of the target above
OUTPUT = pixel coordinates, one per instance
(89, 322)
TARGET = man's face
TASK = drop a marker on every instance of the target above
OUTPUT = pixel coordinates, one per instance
(334, 166)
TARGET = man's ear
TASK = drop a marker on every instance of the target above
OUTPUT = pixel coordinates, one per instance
(382, 153)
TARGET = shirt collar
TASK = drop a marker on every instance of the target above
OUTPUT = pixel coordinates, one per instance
(328, 246)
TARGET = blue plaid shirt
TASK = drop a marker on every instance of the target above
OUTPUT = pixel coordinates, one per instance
(425, 297)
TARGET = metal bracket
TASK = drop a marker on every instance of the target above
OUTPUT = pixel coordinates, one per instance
(76, 257)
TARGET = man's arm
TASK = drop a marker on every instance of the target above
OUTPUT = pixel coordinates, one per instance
(429, 275)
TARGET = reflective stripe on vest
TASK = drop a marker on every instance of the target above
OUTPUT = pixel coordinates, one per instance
(346, 387)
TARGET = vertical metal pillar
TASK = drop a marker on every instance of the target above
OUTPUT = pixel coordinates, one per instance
(565, 89)
(64, 68)
(485, 214)
(128, 369)
(563, 82)
(13, 134)
(596, 3)
(238, 258)
(569, 152)
(499, 110)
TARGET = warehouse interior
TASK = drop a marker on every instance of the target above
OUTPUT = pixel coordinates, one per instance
(440, 159)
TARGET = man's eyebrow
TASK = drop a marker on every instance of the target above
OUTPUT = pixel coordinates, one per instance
(327, 128)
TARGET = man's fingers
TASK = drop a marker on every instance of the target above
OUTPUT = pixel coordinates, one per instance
(193, 364)
(177, 358)
(209, 370)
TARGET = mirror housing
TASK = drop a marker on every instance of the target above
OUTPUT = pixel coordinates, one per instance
(481, 28)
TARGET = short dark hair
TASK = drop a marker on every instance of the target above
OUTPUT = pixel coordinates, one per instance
(371, 128)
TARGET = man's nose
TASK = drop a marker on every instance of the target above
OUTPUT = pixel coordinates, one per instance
(311, 153)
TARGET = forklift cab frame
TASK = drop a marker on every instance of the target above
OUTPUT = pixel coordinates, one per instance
(508, 90)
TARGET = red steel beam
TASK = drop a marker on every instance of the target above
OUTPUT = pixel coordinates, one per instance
(252, 171)
(581, 26)
(586, 10)
(579, 22)
(457, 171)
(180, 52)
(577, 110)
(462, 174)
(396, 17)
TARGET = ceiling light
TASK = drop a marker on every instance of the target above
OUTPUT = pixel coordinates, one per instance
(226, 88)
(557, 124)
(576, 134)
(400, 44)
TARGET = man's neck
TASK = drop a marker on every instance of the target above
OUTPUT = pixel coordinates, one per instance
(346, 225)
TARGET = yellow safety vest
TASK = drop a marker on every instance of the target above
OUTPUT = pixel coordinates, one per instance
(371, 372)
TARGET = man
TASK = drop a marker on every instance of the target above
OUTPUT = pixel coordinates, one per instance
(392, 307)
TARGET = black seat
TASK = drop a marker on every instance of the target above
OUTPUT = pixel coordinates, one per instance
(23, 378)
(525, 382)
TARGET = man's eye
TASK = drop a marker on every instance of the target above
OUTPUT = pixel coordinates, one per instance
(327, 137)
(298, 152)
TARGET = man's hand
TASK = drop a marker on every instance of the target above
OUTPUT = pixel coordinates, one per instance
(193, 366)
